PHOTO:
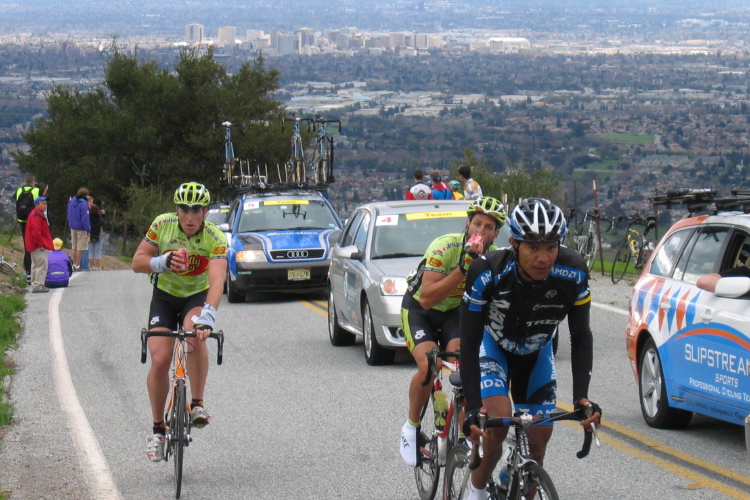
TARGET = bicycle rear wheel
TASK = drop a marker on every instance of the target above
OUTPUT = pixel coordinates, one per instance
(457, 480)
(621, 262)
(6, 268)
(427, 471)
(179, 433)
(536, 481)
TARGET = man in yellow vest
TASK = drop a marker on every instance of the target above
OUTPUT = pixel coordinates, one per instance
(25, 196)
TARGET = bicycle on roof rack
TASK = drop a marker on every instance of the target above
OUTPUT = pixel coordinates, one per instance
(635, 247)
(322, 160)
(228, 171)
(704, 200)
(296, 168)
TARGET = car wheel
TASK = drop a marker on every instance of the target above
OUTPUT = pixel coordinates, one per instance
(337, 335)
(653, 392)
(374, 353)
(234, 296)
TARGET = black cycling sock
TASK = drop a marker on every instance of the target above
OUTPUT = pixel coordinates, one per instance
(159, 427)
(196, 402)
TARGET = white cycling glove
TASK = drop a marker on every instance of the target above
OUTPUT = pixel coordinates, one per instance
(160, 263)
(206, 319)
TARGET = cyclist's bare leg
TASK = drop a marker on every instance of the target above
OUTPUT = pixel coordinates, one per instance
(157, 380)
(539, 436)
(496, 406)
(418, 394)
(197, 360)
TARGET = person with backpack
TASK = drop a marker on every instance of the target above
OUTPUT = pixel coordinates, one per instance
(25, 196)
(440, 190)
(80, 225)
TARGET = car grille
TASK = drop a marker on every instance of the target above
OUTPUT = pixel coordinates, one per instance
(298, 254)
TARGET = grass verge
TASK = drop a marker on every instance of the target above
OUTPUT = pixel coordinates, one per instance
(10, 305)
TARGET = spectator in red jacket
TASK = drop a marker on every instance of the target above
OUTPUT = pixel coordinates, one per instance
(420, 190)
(38, 240)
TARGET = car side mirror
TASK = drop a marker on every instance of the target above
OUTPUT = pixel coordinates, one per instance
(224, 227)
(349, 252)
(732, 287)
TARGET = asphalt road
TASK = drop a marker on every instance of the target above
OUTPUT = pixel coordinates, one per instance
(294, 417)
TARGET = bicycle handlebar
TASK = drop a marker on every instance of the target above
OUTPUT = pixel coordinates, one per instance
(526, 420)
(181, 334)
(432, 362)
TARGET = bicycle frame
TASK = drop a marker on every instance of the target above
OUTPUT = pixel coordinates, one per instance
(296, 167)
(323, 155)
(633, 246)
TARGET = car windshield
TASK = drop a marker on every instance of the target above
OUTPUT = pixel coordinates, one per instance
(217, 215)
(408, 235)
(275, 214)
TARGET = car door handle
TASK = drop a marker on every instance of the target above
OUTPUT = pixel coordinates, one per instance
(707, 315)
(664, 305)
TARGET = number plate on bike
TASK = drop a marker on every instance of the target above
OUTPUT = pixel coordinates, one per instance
(298, 274)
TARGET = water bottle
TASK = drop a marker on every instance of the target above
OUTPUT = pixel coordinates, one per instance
(440, 406)
(474, 244)
(504, 480)
(508, 446)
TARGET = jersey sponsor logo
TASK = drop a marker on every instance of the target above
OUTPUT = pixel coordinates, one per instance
(419, 334)
(550, 294)
(543, 322)
(219, 250)
(497, 315)
(566, 272)
(435, 262)
(154, 320)
(547, 306)
(151, 235)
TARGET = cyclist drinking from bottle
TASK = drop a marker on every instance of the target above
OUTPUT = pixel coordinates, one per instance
(187, 257)
(515, 297)
(429, 311)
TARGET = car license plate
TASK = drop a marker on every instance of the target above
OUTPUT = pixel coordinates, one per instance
(298, 274)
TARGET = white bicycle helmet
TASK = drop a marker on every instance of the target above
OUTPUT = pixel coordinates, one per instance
(537, 220)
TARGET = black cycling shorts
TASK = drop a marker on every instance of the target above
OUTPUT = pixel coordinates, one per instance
(167, 311)
(429, 325)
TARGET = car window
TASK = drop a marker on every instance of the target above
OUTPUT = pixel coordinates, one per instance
(666, 257)
(270, 215)
(703, 254)
(351, 229)
(360, 238)
(740, 256)
(217, 214)
(404, 235)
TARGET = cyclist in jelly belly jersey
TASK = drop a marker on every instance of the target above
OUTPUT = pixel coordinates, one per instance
(429, 311)
(188, 256)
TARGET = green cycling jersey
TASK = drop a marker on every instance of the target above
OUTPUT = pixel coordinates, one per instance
(209, 243)
(442, 256)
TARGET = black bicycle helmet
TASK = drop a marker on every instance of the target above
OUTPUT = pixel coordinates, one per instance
(537, 220)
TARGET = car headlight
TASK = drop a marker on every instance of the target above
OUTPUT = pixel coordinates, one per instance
(251, 256)
(392, 286)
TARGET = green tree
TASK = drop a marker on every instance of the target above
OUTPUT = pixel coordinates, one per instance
(146, 126)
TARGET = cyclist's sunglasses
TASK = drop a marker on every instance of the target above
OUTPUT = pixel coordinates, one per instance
(190, 208)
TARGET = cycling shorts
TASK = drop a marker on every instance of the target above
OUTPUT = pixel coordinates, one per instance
(429, 325)
(167, 311)
(532, 377)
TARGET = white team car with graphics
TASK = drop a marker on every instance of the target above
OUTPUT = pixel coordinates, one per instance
(690, 348)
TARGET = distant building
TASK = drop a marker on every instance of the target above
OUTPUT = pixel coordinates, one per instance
(194, 33)
(508, 44)
(288, 44)
(227, 35)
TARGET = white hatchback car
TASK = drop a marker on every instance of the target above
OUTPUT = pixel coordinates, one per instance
(690, 348)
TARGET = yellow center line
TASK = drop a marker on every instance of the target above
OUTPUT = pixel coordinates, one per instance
(695, 477)
(311, 305)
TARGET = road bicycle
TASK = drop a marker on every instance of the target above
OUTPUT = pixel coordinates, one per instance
(296, 171)
(526, 478)
(587, 244)
(229, 158)
(177, 407)
(323, 153)
(7, 267)
(439, 427)
(635, 247)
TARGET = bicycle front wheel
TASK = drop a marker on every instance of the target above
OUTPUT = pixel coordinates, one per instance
(536, 484)
(457, 479)
(6, 268)
(179, 433)
(621, 262)
(427, 471)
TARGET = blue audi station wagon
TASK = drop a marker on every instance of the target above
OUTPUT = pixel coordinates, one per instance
(279, 241)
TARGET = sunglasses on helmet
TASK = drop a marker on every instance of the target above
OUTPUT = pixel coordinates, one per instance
(491, 213)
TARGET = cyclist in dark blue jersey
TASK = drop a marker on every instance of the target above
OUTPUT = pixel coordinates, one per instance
(514, 300)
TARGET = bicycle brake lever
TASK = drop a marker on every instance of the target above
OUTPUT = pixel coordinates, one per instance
(596, 434)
